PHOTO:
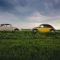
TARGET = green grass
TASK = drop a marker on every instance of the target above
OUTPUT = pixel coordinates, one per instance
(25, 45)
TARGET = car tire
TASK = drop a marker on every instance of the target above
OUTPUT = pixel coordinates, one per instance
(16, 29)
(34, 30)
(52, 30)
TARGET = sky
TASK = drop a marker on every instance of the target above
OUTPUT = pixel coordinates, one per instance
(30, 13)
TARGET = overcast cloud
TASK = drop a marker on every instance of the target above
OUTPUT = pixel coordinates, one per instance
(30, 13)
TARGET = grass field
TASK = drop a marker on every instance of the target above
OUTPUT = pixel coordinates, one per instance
(25, 45)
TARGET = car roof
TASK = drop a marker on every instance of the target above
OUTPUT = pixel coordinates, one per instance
(5, 24)
(45, 24)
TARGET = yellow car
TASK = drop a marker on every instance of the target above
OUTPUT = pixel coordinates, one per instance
(44, 28)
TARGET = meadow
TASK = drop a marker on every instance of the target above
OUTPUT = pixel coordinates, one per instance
(24, 45)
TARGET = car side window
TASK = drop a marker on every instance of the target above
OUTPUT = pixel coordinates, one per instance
(41, 26)
(47, 26)
(44, 26)
(7, 25)
(2, 25)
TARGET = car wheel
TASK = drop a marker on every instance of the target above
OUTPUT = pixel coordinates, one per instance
(16, 30)
(34, 30)
(52, 30)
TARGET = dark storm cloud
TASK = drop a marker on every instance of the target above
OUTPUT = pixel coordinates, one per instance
(29, 11)
(26, 7)
(47, 7)
(5, 5)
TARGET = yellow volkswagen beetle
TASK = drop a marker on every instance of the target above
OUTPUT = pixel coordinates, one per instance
(44, 28)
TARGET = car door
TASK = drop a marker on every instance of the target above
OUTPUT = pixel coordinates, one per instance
(8, 28)
(44, 29)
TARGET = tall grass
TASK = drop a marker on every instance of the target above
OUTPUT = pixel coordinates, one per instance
(28, 35)
(24, 45)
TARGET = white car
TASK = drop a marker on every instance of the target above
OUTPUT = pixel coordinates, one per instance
(8, 27)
